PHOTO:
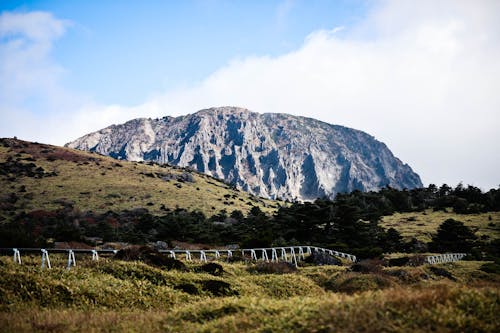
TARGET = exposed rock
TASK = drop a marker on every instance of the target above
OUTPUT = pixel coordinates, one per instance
(321, 258)
(270, 155)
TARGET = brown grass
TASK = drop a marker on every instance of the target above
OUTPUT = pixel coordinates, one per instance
(422, 225)
(97, 183)
(122, 296)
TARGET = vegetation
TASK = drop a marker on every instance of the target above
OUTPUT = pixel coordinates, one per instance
(39, 176)
(112, 295)
(60, 194)
(56, 194)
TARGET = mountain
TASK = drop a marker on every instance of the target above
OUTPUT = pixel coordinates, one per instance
(36, 176)
(271, 155)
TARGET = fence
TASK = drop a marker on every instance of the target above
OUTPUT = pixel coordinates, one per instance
(292, 254)
(446, 257)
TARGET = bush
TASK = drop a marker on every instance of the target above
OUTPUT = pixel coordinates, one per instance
(355, 282)
(403, 261)
(274, 268)
(188, 288)
(453, 236)
(442, 272)
(212, 268)
(491, 267)
(149, 256)
(368, 266)
(218, 288)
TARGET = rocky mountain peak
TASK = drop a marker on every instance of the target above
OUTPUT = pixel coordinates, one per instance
(272, 155)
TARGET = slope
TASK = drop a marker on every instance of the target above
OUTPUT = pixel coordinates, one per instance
(39, 176)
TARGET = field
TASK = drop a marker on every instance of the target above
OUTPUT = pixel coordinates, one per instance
(422, 225)
(112, 295)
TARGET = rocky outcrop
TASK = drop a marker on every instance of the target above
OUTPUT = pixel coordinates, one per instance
(272, 155)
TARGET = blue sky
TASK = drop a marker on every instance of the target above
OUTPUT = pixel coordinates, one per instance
(123, 51)
(421, 76)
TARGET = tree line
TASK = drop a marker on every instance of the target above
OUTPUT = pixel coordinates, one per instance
(349, 223)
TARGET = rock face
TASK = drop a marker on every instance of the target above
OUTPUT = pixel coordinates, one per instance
(271, 155)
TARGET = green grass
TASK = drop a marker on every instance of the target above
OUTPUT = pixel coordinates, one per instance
(121, 296)
(423, 225)
(98, 183)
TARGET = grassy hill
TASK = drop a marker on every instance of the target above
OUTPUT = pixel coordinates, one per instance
(59, 193)
(422, 225)
(117, 296)
(39, 176)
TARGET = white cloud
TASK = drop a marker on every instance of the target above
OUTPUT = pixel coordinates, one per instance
(39, 26)
(422, 77)
(31, 91)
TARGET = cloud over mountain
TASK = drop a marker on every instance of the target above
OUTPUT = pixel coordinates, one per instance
(421, 76)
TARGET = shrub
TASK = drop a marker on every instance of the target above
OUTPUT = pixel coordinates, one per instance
(212, 268)
(453, 236)
(218, 288)
(368, 266)
(403, 261)
(188, 288)
(355, 282)
(491, 267)
(274, 268)
(442, 272)
(149, 256)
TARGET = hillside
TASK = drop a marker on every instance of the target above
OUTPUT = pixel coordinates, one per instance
(38, 176)
(423, 225)
(272, 155)
(118, 296)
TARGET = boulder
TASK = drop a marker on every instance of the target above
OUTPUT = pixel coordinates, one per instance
(322, 258)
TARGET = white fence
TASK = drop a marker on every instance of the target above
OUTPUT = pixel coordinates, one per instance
(446, 257)
(291, 254)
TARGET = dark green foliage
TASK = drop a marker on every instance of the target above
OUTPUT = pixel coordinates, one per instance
(218, 288)
(149, 256)
(491, 267)
(402, 261)
(442, 272)
(212, 268)
(207, 314)
(188, 288)
(393, 241)
(349, 223)
(453, 236)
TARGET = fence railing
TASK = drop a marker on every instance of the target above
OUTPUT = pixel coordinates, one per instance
(292, 254)
(444, 258)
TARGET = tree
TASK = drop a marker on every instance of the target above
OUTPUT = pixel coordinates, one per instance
(393, 241)
(453, 236)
